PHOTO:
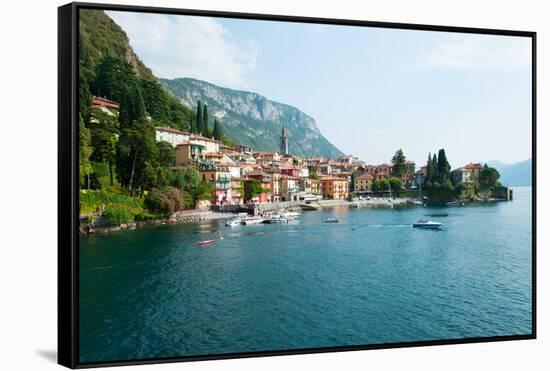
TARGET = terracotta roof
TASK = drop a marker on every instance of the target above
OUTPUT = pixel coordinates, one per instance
(332, 178)
(171, 130)
(472, 165)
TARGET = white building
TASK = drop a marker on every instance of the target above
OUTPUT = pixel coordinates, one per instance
(171, 135)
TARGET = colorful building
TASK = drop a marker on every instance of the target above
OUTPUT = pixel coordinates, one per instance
(363, 182)
(334, 188)
(265, 184)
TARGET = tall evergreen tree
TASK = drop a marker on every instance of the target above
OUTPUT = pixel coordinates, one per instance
(429, 170)
(85, 151)
(443, 166)
(192, 126)
(217, 132)
(398, 161)
(198, 119)
(435, 172)
(132, 107)
(205, 128)
(135, 148)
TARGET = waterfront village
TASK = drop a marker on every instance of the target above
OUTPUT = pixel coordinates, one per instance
(249, 179)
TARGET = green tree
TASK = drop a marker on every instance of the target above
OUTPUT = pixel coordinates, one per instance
(132, 106)
(135, 147)
(489, 177)
(217, 132)
(380, 185)
(112, 75)
(435, 170)
(85, 151)
(252, 188)
(313, 175)
(398, 161)
(204, 128)
(198, 119)
(429, 169)
(167, 154)
(104, 137)
(395, 184)
(443, 166)
(156, 100)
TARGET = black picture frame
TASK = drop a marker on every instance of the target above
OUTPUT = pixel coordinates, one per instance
(68, 234)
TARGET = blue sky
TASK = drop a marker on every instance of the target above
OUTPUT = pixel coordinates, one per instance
(370, 90)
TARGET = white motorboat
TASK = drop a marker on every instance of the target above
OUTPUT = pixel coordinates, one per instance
(290, 215)
(252, 220)
(234, 222)
(276, 219)
(428, 224)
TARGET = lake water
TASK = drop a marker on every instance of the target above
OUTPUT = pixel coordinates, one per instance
(369, 279)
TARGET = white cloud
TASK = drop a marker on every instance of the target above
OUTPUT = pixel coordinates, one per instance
(481, 52)
(185, 46)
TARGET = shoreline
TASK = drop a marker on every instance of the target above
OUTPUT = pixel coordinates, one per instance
(176, 218)
(193, 216)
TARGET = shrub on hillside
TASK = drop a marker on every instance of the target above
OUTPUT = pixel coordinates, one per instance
(165, 200)
(117, 215)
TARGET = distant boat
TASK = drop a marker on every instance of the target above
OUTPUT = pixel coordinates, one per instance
(455, 203)
(276, 219)
(234, 222)
(428, 224)
(330, 220)
(252, 220)
(205, 242)
(290, 214)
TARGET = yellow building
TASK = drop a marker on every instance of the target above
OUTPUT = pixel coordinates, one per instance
(188, 153)
(363, 182)
(334, 188)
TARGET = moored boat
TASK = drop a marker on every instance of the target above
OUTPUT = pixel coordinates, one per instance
(234, 222)
(330, 220)
(252, 220)
(276, 219)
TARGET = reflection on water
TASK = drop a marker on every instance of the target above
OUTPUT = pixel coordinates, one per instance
(371, 278)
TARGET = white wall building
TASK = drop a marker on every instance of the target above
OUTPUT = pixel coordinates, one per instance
(171, 135)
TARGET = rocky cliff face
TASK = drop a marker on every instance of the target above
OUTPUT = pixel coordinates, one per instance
(252, 119)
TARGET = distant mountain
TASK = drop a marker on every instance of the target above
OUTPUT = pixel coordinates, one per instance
(252, 119)
(518, 174)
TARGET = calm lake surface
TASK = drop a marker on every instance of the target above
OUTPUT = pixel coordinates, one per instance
(369, 279)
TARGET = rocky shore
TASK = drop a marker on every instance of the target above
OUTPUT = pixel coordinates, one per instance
(99, 225)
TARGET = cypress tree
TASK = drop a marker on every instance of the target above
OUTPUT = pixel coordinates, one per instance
(198, 119)
(435, 172)
(217, 132)
(429, 171)
(204, 127)
(443, 166)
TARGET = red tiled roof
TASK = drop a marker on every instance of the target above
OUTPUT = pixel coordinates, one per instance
(171, 130)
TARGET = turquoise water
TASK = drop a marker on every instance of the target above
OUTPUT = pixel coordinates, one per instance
(369, 279)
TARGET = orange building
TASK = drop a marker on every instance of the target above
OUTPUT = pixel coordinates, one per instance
(334, 188)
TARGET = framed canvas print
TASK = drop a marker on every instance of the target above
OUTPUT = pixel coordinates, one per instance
(236, 185)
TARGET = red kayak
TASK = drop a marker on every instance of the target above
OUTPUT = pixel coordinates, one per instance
(205, 242)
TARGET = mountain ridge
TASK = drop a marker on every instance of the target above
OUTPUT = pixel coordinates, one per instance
(253, 119)
(517, 174)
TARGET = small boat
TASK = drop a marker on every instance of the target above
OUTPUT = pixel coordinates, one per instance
(428, 224)
(276, 219)
(455, 203)
(290, 214)
(234, 222)
(205, 242)
(330, 220)
(252, 220)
